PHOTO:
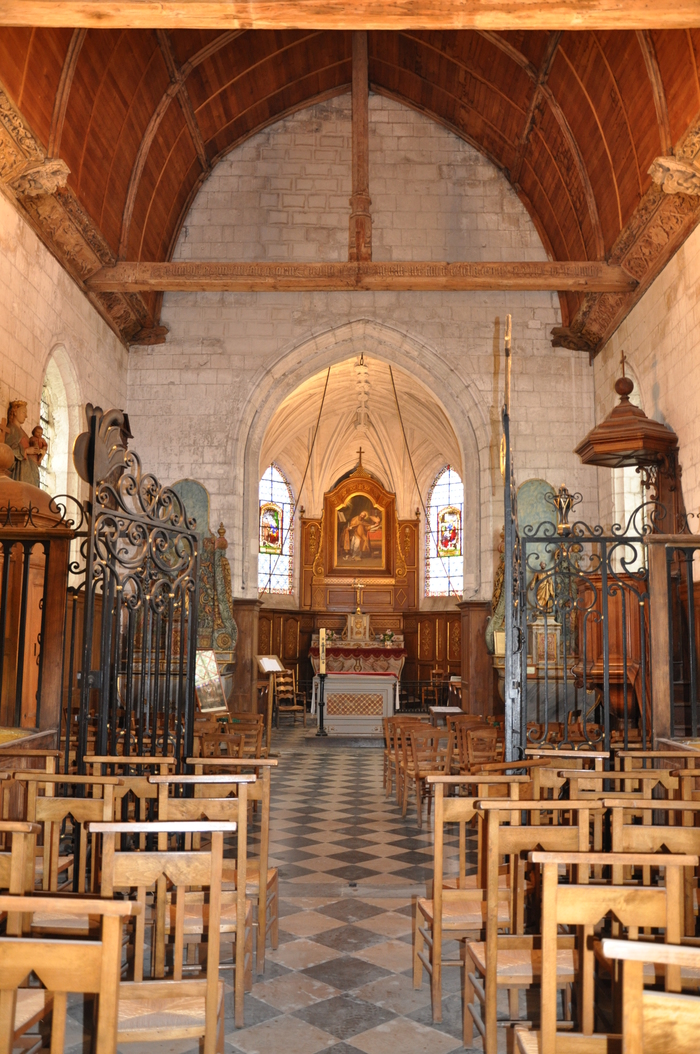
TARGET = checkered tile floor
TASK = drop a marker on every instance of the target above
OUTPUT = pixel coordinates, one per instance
(350, 869)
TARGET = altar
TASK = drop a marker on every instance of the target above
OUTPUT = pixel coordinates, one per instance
(362, 678)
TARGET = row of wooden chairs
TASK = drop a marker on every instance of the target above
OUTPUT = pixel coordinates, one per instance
(186, 912)
(647, 882)
(414, 749)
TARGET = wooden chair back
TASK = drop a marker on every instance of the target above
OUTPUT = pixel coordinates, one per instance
(52, 810)
(505, 835)
(584, 905)
(655, 1022)
(221, 745)
(482, 746)
(260, 791)
(63, 968)
(252, 728)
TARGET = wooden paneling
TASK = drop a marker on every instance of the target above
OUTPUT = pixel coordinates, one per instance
(478, 688)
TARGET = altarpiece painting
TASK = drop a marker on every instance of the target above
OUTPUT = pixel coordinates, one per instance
(359, 533)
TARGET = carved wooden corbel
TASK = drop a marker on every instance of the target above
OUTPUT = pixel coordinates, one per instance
(38, 185)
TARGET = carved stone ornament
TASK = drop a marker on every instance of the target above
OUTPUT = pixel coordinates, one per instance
(676, 176)
(40, 177)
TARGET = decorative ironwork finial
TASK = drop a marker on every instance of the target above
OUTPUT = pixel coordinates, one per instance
(564, 501)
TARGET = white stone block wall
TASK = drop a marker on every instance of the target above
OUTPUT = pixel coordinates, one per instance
(43, 313)
(200, 403)
(661, 339)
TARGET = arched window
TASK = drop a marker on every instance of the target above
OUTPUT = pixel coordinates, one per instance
(53, 418)
(444, 562)
(275, 533)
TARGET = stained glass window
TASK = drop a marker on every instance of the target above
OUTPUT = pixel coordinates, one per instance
(275, 534)
(47, 479)
(444, 565)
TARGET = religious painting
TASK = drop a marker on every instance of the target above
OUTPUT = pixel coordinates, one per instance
(449, 523)
(359, 533)
(271, 527)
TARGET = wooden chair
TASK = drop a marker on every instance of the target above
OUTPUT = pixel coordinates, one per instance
(515, 961)
(52, 811)
(655, 1022)
(483, 745)
(398, 725)
(426, 752)
(630, 837)
(210, 802)
(169, 1006)
(63, 967)
(265, 896)
(287, 699)
(221, 745)
(456, 912)
(583, 906)
(252, 728)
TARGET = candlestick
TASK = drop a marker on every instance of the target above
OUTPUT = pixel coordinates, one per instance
(322, 651)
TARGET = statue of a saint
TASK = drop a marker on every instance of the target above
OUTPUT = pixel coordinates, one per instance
(25, 470)
(543, 585)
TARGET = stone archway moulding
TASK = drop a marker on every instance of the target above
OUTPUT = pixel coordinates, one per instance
(460, 399)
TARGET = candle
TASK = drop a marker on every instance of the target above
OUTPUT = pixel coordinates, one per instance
(322, 651)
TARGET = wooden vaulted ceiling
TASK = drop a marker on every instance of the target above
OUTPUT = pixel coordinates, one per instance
(573, 119)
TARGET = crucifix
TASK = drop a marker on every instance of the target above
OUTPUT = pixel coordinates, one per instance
(623, 360)
(357, 586)
(359, 455)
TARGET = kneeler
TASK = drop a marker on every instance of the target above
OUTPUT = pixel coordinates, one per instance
(514, 961)
(453, 913)
(584, 906)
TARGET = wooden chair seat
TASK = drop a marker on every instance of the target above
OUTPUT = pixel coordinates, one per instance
(464, 914)
(148, 1011)
(528, 1042)
(196, 914)
(524, 965)
(32, 1005)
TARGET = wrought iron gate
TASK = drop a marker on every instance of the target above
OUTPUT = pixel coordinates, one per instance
(583, 635)
(139, 639)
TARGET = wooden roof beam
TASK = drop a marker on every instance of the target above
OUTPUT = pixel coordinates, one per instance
(535, 107)
(177, 78)
(651, 62)
(363, 14)
(194, 276)
(63, 93)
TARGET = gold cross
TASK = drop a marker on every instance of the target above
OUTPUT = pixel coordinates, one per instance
(623, 360)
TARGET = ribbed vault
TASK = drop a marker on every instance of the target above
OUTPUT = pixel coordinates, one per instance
(344, 428)
(573, 119)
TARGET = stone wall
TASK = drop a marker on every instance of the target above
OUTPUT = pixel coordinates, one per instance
(201, 403)
(44, 316)
(661, 339)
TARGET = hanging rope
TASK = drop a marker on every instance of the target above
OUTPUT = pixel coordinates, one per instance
(420, 496)
(301, 488)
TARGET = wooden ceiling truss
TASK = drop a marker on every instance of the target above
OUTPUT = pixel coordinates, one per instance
(598, 132)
